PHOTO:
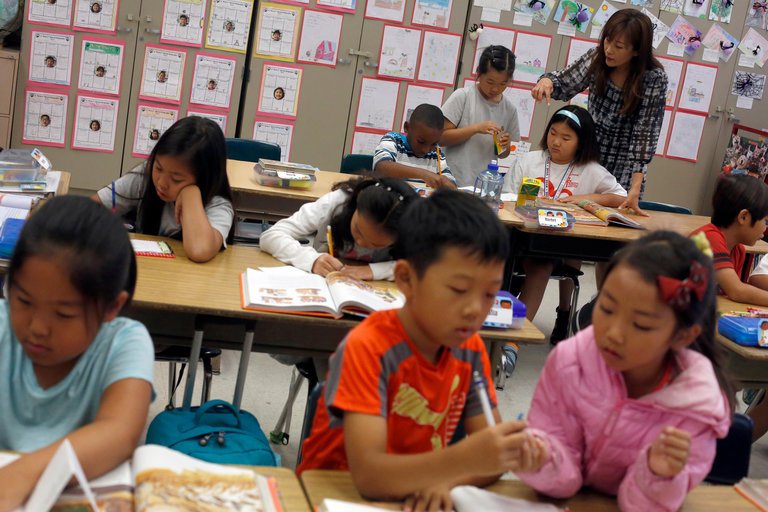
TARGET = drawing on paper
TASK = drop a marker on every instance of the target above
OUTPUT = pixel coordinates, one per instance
(574, 13)
(673, 6)
(748, 85)
(432, 13)
(539, 9)
(758, 15)
(721, 11)
(718, 39)
(683, 33)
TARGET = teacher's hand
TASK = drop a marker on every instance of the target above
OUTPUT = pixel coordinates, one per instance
(633, 203)
(543, 90)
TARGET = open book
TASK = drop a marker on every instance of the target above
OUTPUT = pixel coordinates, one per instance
(755, 491)
(287, 291)
(590, 213)
(157, 479)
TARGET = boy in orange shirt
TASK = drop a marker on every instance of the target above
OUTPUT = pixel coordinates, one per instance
(401, 382)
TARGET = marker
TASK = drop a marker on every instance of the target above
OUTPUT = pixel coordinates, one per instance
(439, 167)
(114, 207)
(479, 382)
(329, 237)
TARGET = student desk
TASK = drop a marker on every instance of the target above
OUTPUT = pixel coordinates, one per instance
(748, 365)
(288, 486)
(257, 201)
(320, 484)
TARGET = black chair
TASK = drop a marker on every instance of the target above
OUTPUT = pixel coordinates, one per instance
(356, 164)
(177, 354)
(251, 150)
(731, 462)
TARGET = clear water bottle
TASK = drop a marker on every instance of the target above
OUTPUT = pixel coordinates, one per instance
(488, 186)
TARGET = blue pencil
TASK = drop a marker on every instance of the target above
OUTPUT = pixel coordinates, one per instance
(114, 206)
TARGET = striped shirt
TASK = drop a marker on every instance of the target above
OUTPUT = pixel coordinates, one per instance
(722, 257)
(394, 147)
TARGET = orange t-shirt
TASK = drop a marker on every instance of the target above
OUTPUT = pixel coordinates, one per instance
(722, 257)
(378, 370)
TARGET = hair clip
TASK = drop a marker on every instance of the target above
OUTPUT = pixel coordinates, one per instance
(389, 189)
(474, 31)
(702, 243)
(677, 293)
(726, 46)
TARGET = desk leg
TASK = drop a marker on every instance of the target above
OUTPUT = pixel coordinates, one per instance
(194, 357)
(497, 365)
(242, 371)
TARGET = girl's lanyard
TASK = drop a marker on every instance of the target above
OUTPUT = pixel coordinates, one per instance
(666, 377)
(563, 180)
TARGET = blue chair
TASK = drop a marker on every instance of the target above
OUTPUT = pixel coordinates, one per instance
(664, 207)
(731, 462)
(357, 164)
(251, 150)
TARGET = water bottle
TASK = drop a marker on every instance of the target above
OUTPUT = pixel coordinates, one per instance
(488, 186)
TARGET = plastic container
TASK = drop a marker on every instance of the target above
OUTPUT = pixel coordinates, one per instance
(507, 312)
(747, 331)
(488, 186)
(284, 179)
(19, 166)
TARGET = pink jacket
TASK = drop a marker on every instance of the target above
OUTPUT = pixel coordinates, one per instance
(599, 437)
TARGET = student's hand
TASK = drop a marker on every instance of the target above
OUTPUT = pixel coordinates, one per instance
(503, 138)
(669, 453)
(535, 455)
(436, 181)
(186, 194)
(15, 489)
(496, 449)
(487, 127)
(633, 203)
(543, 90)
(433, 499)
(325, 264)
(362, 272)
(570, 199)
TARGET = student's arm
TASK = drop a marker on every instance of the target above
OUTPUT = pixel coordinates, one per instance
(201, 241)
(759, 281)
(397, 170)
(100, 446)
(739, 291)
(454, 110)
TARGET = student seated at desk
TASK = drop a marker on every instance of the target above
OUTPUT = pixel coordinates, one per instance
(69, 366)
(361, 214)
(182, 190)
(401, 381)
(569, 167)
(739, 215)
(416, 153)
(634, 404)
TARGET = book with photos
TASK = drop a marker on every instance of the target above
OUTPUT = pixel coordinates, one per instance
(156, 479)
(590, 213)
(311, 294)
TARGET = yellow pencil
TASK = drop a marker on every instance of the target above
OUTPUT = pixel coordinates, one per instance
(439, 167)
(329, 237)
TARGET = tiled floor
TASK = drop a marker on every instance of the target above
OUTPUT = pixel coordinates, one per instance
(267, 384)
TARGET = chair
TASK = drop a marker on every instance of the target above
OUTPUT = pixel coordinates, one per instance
(731, 462)
(251, 150)
(309, 415)
(664, 207)
(356, 164)
(177, 354)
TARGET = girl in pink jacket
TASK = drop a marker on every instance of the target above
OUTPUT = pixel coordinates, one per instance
(633, 405)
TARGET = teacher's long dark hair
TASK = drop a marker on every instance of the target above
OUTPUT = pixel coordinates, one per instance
(637, 30)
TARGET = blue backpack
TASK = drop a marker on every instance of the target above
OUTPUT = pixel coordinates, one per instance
(214, 432)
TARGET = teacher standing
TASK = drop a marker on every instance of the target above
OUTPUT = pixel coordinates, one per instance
(627, 93)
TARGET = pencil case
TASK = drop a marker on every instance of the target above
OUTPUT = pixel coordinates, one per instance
(284, 179)
(508, 312)
(747, 331)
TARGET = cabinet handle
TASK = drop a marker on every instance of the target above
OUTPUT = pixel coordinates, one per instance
(125, 30)
(732, 118)
(152, 30)
(370, 64)
(343, 61)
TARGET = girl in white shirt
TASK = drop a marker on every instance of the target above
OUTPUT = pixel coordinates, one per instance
(363, 214)
(569, 169)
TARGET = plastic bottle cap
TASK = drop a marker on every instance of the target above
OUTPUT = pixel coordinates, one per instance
(494, 167)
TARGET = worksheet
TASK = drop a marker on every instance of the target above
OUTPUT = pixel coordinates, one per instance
(685, 136)
(660, 28)
(364, 143)
(718, 39)
(532, 53)
(432, 13)
(277, 31)
(399, 52)
(229, 24)
(338, 5)
(95, 124)
(151, 123)
(525, 104)
(674, 70)
(696, 8)
(698, 86)
(579, 47)
(276, 132)
(47, 12)
(50, 57)
(661, 147)
(219, 118)
(320, 35)
(748, 85)
(162, 73)
(96, 15)
(280, 87)
(101, 65)
(45, 118)
(212, 80)
(183, 22)
(721, 11)
(416, 95)
(439, 57)
(492, 36)
(385, 10)
(376, 107)
(755, 45)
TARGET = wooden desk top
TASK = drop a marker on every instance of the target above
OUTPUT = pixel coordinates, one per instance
(213, 288)
(63, 187)
(241, 180)
(288, 487)
(752, 353)
(338, 485)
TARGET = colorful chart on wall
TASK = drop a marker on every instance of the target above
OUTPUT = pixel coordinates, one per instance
(492, 36)
(280, 88)
(96, 16)
(698, 87)
(162, 73)
(45, 12)
(219, 118)
(213, 80)
(660, 28)
(719, 39)
(577, 48)
(721, 11)
(399, 52)
(276, 132)
(385, 10)
(376, 106)
(755, 45)
(432, 13)
(151, 123)
(661, 146)
(538, 9)
(50, 57)
(748, 85)
(95, 123)
(674, 70)
(416, 95)
(683, 33)
(229, 24)
(320, 36)
(101, 65)
(277, 31)
(338, 5)
(439, 57)
(525, 105)
(685, 136)
(45, 118)
(183, 22)
(574, 13)
(532, 54)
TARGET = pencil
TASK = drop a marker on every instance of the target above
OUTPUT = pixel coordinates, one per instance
(114, 206)
(439, 167)
(329, 237)
(482, 393)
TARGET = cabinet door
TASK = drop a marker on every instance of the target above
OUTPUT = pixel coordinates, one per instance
(90, 169)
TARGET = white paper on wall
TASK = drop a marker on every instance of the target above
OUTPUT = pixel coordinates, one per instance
(493, 36)
(217, 117)
(399, 52)
(439, 57)
(432, 13)
(698, 86)
(685, 137)
(279, 133)
(95, 15)
(416, 95)
(212, 81)
(280, 88)
(387, 10)
(578, 48)
(50, 59)
(532, 54)
(277, 31)
(229, 24)
(364, 143)
(674, 70)
(524, 103)
(376, 108)
(660, 28)
(320, 35)
(46, 13)
(162, 73)
(45, 118)
(661, 147)
(151, 123)
(183, 22)
(101, 66)
(95, 123)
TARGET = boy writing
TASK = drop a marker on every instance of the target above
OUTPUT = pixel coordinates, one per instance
(401, 381)
(415, 154)
(739, 211)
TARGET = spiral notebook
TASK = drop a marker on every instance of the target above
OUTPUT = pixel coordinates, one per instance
(155, 248)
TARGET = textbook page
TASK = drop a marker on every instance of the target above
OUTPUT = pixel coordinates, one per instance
(467, 498)
(348, 292)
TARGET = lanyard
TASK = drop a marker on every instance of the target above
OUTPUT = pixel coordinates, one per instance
(563, 180)
(666, 377)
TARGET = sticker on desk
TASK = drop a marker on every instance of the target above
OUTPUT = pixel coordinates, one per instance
(157, 249)
(551, 218)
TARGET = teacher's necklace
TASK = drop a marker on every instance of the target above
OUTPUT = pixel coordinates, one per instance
(563, 180)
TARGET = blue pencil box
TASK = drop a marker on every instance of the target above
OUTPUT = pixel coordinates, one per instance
(507, 312)
(747, 331)
(9, 235)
